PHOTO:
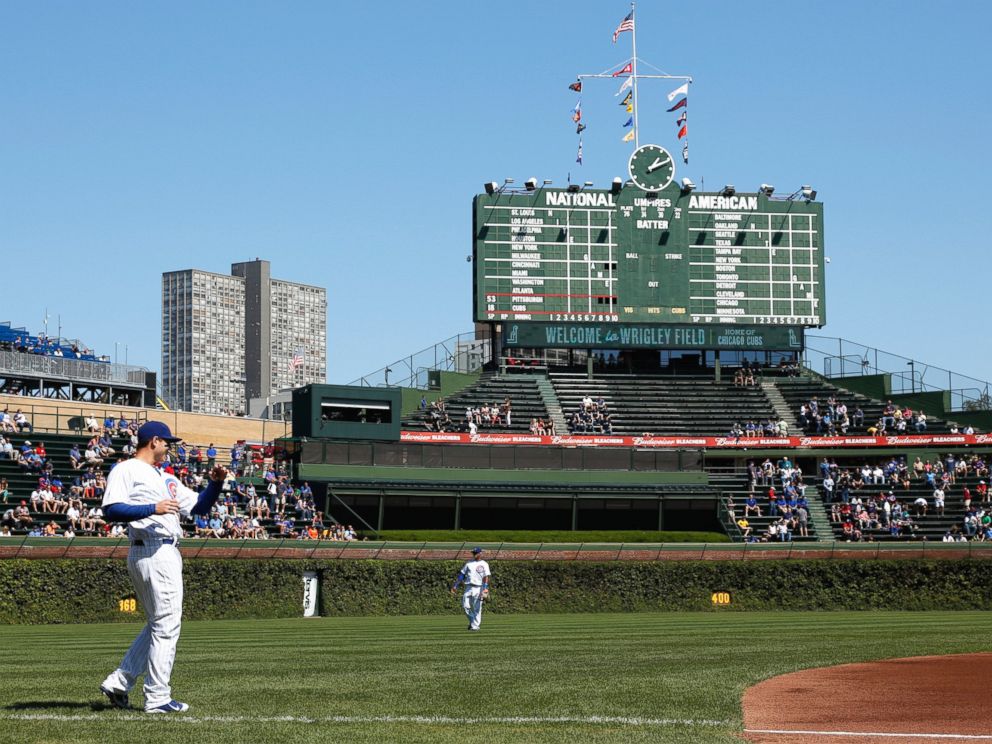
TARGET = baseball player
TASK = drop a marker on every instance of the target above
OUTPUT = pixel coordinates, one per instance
(150, 500)
(475, 577)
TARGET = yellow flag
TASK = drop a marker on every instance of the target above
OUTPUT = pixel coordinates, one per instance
(629, 136)
(630, 108)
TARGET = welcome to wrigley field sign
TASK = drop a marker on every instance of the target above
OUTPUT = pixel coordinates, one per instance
(910, 440)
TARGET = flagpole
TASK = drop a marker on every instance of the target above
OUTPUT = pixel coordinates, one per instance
(633, 70)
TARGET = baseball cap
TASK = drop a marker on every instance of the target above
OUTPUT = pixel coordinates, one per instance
(151, 429)
(476, 551)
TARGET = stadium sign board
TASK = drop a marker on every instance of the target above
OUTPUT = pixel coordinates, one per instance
(635, 257)
(644, 336)
(661, 442)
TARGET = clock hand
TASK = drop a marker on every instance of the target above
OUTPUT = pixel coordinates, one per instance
(658, 162)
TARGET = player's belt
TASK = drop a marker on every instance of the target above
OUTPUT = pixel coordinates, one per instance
(163, 541)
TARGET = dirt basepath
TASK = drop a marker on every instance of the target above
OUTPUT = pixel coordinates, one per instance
(920, 699)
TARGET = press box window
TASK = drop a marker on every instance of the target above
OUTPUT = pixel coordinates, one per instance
(356, 411)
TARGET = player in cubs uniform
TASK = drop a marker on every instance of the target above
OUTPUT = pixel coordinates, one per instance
(475, 577)
(150, 500)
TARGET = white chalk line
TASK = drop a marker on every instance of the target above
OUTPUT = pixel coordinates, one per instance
(793, 732)
(429, 720)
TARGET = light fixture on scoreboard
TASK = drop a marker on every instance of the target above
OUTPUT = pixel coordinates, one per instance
(617, 186)
(491, 187)
(531, 184)
(767, 189)
(587, 184)
(687, 185)
(547, 182)
(728, 190)
(807, 193)
(573, 188)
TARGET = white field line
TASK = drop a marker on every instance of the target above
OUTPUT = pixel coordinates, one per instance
(430, 720)
(953, 737)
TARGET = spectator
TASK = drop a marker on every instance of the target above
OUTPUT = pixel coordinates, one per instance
(21, 421)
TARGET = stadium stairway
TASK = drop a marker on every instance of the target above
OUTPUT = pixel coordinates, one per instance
(552, 404)
(819, 518)
(779, 403)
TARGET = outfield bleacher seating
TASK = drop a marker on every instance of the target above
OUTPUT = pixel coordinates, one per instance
(666, 405)
(799, 390)
(525, 399)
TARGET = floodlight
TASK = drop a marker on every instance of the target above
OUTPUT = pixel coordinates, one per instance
(687, 185)
(728, 190)
(531, 184)
(767, 189)
(573, 188)
(588, 184)
(491, 188)
(617, 185)
(809, 193)
(547, 182)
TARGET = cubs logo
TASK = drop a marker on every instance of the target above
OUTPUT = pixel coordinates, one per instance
(173, 487)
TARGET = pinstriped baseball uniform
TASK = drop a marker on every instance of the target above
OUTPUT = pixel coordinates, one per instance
(474, 572)
(156, 569)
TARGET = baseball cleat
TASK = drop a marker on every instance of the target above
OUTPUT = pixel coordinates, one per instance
(117, 698)
(173, 706)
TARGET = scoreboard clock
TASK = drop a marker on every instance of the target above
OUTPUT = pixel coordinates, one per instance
(651, 167)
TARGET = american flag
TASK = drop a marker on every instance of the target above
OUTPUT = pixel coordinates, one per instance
(297, 360)
(627, 24)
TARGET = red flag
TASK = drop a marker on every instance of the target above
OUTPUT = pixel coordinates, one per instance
(683, 131)
(627, 69)
(576, 86)
(678, 105)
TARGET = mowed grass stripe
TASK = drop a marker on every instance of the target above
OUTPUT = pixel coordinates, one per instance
(534, 678)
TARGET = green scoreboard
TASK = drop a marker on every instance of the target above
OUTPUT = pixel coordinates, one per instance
(630, 255)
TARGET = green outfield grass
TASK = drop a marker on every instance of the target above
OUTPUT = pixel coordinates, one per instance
(523, 678)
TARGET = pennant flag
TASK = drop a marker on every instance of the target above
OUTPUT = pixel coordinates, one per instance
(629, 136)
(627, 24)
(578, 158)
(626, 70)
(626, 84)
(630, 108)
(629, 122)
(576, 86)
(685, 153)
(681, 119)
(683, 131)
(678, 105)
(682, 90)
(578, 129)
(577, 112)
(627, 98)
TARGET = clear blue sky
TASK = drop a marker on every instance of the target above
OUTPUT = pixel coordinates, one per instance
(344, 142)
